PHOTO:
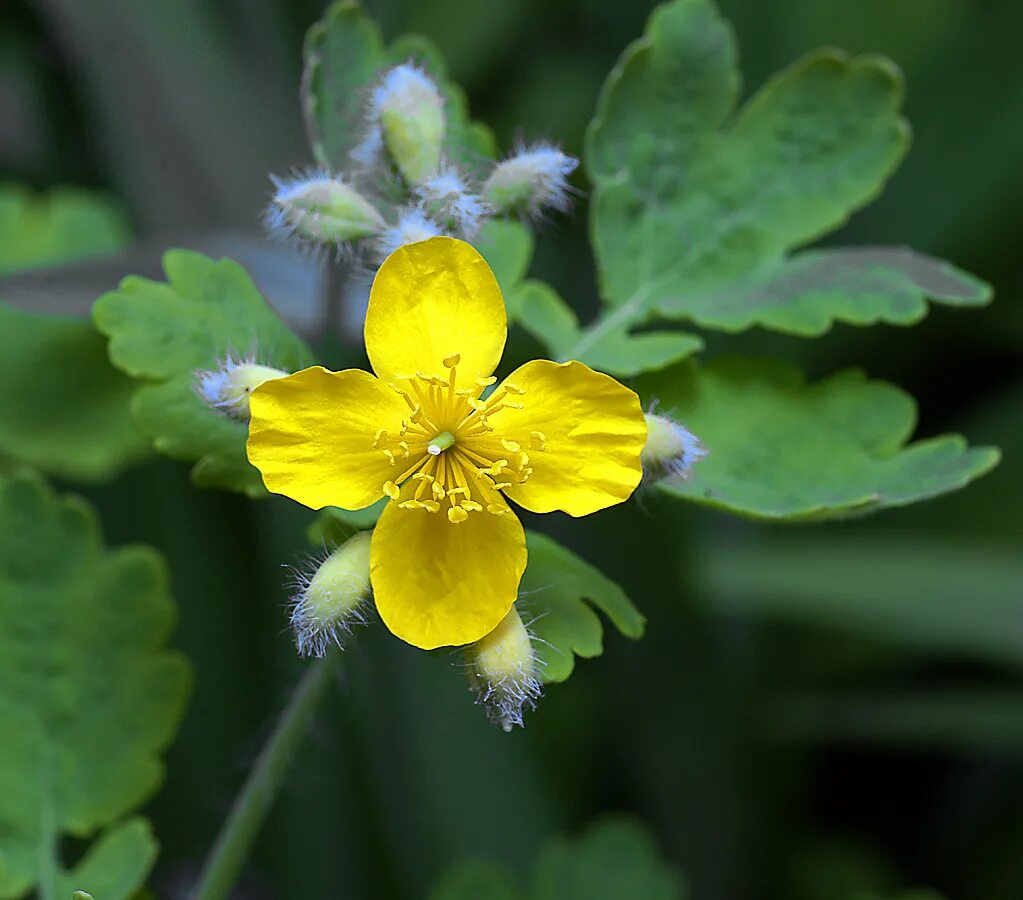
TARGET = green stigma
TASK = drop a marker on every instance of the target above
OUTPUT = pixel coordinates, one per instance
(440, 443)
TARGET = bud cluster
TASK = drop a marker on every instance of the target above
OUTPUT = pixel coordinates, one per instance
(401, 187)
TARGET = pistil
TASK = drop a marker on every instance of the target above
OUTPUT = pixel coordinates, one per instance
(440, 443)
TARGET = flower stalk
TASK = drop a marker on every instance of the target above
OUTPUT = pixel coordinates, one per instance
(234, 843)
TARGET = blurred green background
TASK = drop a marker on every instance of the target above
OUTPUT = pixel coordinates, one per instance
(816, 712)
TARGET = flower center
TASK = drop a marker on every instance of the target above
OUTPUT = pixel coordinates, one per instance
(447, 453)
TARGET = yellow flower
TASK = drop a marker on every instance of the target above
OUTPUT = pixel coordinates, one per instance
(448, 553)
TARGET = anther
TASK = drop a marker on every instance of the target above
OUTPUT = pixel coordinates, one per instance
(391, 489)
(456, 515)
(537, 440)
(510, 446)
(451, 361)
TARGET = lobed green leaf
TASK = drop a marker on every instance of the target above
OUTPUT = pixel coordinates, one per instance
(89, 694)
(782, 449)
(558, 594)
(606, 345)
(64, 409)
(163, 332)
(697, 206)
(614, 857)
(63, 225)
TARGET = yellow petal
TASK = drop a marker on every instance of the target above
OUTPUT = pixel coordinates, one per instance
(431, 302)
(311, 436)
(592, 429)
(437, 583)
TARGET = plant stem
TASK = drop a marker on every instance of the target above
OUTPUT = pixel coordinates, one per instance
(234, 842)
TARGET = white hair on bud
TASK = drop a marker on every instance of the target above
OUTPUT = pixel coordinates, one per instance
(671, 450)
(505, 701)
(314, 635)
(368, 151)
(226, 388)
(405, 85)
(319, 212)
(278, 225)
(413, 225)
(502, 668)
(534, 177)
(448, 196)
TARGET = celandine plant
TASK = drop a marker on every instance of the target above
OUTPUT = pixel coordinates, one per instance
(700, 211)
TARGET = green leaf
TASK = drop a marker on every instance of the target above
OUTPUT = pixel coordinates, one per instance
(333, 525)
(806, 293)
(615, 857)
(697, 205)
(507, 246)
(64, 408)
(344, 57)
(116, 866)
(555, 589)
(475, 880)
(89, 694)
(163, 332)
(64, 225)
(606, 345)
(782, 449)
(914, 597)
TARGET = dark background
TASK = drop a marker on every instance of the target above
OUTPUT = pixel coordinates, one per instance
(815, 710)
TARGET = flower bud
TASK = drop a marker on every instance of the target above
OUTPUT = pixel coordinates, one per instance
(330, 600)
(413, 226)
(410, 110)
(671, 449)
(502, 672)
(448, 199)
(321, 208)
(531, 179)
(227, 388)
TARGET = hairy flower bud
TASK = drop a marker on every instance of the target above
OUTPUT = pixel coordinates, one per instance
(531, 179)
(413, 226)
(410, 110)
(671, 448)
(448, 199)
(330, 600)
(502, 672)
(321, 208)
(228, 387)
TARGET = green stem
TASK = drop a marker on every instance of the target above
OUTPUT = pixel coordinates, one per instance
(234, 842)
